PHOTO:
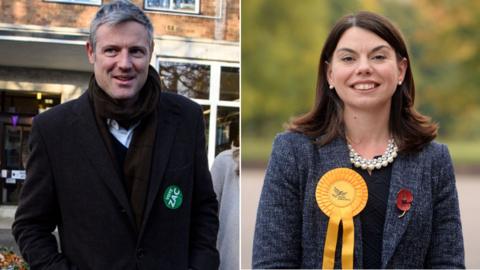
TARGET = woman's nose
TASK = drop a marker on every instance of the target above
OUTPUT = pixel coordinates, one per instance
(364, 67)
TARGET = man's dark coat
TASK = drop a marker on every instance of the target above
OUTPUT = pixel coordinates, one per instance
(72, 183)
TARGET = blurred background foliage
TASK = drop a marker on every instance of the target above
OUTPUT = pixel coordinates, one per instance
(281, 45)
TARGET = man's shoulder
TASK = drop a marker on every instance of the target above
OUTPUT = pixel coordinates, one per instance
(177, 99)
(184, 104)
(57, 114)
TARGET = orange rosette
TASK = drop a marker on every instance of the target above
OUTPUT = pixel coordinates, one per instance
(341, 194)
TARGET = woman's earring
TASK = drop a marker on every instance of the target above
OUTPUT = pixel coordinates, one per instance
(400, 83)
(331, 86)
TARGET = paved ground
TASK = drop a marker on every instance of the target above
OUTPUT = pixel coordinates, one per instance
(6, 240)
(469, 194)
(6, 218)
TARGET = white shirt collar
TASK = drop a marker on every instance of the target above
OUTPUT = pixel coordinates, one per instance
(124, 136)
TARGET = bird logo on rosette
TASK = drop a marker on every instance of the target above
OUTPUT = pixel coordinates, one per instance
(339, 194)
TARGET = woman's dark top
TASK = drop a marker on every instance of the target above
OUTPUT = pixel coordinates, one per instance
(373, 216)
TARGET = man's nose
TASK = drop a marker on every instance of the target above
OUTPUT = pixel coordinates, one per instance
(125, 60)
(364, 66)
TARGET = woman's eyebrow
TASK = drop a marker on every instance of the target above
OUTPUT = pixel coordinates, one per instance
(379, 47)
(346, 50)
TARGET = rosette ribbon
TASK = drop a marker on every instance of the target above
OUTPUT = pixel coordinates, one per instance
(341, 194)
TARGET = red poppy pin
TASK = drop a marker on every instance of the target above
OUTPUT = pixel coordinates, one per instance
(404, 201)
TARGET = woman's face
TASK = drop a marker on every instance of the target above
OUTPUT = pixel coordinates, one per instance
(365, 71)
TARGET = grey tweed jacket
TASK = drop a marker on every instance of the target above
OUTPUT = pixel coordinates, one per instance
(290, 229)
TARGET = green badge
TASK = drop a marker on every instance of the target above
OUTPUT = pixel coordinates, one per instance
(173, 197)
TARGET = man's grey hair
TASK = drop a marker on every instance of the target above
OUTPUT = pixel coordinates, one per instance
(118, 12)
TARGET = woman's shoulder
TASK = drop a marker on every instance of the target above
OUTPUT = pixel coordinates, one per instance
(305, 144)
(292, 138)
(292, 146)
(435, 153)
(436, 150)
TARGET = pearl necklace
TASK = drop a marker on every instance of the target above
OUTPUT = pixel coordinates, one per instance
(376, 163)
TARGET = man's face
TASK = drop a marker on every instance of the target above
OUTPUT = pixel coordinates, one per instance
(121, 59)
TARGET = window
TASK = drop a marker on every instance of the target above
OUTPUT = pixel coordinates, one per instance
(229, 84)
(187, 6)
(84, 2)
(215, 86)
(186, 79)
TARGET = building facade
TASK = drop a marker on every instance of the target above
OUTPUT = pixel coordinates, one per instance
(43, 63)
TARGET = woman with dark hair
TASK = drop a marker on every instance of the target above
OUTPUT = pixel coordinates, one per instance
(358, 182)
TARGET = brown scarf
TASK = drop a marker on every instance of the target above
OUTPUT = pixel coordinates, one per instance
(136, 169)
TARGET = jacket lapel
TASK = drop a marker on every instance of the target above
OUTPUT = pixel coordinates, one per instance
(91, 144)
(168, 117)
(403, 177)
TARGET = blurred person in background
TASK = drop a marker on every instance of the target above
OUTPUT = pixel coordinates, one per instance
(364, 162)
(225, 177)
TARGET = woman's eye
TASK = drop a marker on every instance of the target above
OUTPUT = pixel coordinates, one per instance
(347, 59)
(379, 57)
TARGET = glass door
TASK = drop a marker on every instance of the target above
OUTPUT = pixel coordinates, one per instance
(15, 155)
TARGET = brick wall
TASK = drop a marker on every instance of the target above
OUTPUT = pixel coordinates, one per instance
(209, 25)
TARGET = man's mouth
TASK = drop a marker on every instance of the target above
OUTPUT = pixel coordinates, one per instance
(124, 78)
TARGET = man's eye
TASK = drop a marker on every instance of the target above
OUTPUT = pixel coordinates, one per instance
(137, 52)
(110, 52)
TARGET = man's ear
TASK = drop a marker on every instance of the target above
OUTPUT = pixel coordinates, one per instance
(90, 52)
(152, 47)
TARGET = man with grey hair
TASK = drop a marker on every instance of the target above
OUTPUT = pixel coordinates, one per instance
(122, 170)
